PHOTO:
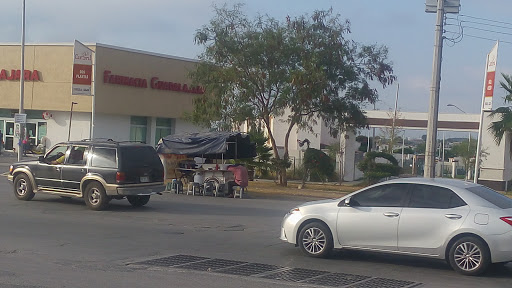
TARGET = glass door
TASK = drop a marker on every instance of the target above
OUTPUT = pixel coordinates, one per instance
(9, 135)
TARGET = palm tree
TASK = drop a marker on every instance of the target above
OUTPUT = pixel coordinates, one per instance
(504, 114)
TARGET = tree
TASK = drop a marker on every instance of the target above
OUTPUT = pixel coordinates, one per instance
(262, 162)
(317, 164)
(302, 70)
(374, 171)
(391, 133)
(504, 124)
(420, 148)
(467, 151)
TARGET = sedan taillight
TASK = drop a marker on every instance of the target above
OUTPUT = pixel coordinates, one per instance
(507, 220)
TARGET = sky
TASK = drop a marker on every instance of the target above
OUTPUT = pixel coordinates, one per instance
(168, 27)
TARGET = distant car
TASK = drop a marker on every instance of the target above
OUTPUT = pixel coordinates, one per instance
(467, 224)
(95, 170)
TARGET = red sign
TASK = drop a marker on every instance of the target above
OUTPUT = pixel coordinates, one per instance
(82, 74)
(110, 78)
(16, 75)
(489, 83)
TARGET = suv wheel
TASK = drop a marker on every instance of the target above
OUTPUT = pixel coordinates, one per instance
(139, 200)
(95, 196)
(23, 188)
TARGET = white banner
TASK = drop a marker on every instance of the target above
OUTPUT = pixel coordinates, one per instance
(490, 75)
(82, 70)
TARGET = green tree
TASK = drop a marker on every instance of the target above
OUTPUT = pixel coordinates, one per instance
(262, 162)
(420, 148)
(504, 114)
(303, 69)
(374, 171)
(466, 151)
(318, 165)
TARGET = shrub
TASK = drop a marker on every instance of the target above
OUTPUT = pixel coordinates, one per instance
(373, 171)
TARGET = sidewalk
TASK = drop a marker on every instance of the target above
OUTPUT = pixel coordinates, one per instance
(7, 158)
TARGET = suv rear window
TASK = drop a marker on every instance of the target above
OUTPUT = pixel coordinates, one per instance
(491, 196)
(139, 156)
(104, 158)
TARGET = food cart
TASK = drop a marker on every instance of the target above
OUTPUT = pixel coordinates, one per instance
(179, 150)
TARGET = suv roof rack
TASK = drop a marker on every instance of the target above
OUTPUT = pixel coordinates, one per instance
(98, 139)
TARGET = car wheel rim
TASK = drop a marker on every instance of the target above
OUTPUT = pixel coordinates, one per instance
(468, 256)
(22, 187)
(314, 240)
(94, 196)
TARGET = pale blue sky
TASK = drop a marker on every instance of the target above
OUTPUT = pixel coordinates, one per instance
(168, 26)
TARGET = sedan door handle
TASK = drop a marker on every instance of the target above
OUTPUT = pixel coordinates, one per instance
(391, 214)
(453, 216)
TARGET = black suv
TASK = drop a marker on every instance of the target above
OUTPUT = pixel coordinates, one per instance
(96, 170)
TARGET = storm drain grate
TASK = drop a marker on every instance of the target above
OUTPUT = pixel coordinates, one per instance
(172, 260)
(211, 265)
(337, 279)
(295, 274)
(273, 272)
(250, 269)
(385, 283)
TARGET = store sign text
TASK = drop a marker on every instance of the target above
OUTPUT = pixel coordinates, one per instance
(16, 75)
(155, 83)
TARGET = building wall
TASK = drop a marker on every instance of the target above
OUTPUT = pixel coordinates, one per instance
(136, 101)
(58, 127)
(496, 166)
(53, 91)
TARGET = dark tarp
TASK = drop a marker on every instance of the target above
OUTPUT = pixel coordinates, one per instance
(234, 145)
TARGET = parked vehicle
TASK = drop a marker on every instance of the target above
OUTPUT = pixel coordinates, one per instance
(95, 170)
(467, 224)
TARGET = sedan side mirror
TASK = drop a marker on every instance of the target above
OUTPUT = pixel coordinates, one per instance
(346, 202)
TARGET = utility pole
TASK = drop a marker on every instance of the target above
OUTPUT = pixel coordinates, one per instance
(22, 83)
(430, 148)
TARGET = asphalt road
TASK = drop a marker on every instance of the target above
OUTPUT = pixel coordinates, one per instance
(54, 242)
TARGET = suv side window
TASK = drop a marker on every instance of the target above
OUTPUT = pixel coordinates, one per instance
(429, 196)
(56, 153)
(77, 155)
(104, 158)
(387, 195)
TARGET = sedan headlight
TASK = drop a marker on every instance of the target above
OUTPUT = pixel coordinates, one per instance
(294, 210)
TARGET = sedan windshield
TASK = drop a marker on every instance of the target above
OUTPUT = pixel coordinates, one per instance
(491, 196)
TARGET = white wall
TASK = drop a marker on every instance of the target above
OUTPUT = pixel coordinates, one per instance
(58, 127)
(497, 164)
(183, 126)
(115, 127)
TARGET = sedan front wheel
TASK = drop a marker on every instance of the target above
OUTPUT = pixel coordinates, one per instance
(315, 240)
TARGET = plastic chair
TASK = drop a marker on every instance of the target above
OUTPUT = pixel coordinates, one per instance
(238, 191)
(193, 187)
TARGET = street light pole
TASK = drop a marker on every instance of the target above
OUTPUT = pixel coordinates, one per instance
(70, 118)
(430, 148)
(22, 83)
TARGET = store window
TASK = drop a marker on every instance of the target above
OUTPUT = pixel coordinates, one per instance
(138, 128)
(164, 127)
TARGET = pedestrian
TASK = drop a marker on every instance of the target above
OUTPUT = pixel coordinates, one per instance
(241, 178)
(1, 142)
(26, 145)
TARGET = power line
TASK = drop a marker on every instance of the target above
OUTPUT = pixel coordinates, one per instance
(487, 30)
(484, 19)
(479, 23)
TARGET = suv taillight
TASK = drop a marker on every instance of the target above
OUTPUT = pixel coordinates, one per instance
(507, 220)
(120, 177)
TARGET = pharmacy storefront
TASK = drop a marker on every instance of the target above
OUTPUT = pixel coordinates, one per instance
(138, 96)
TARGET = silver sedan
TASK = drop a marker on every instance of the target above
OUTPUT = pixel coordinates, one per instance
(467, 224)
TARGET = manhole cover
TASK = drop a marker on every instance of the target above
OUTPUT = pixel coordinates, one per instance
(211, 265)
(336, 279)
(385, 283)
(295, 274)
(249, 269)
(172, 260)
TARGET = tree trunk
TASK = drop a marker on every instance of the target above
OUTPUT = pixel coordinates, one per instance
(273, 143)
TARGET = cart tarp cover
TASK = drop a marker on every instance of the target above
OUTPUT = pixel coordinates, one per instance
(234, 145)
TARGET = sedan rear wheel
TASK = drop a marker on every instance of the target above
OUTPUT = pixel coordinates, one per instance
(315, 240)
(469, 256)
